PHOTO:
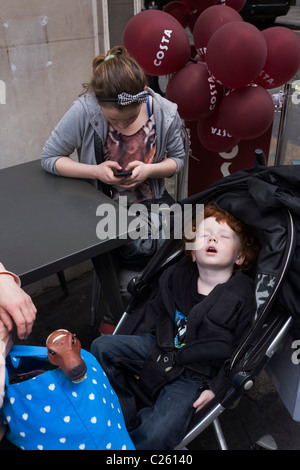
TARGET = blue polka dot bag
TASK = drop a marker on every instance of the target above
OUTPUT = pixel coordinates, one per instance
(52, 413)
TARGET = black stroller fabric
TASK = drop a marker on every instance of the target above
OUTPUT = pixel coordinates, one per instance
(267, 199)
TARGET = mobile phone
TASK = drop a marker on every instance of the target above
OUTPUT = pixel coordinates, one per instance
(123, 173)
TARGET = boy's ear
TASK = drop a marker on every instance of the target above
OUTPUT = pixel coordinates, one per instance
(240, 259)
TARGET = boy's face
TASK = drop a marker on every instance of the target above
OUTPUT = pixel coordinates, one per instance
(217, 245)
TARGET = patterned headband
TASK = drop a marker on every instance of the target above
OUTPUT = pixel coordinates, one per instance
(125, 98)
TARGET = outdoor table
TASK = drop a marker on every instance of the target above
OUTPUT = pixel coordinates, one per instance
(48, 224)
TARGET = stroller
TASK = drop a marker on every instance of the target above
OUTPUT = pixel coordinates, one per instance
(267, 199)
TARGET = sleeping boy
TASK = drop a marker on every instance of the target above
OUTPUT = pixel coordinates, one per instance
(201, 310)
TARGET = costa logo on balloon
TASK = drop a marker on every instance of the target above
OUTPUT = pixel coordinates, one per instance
(213, 136)
(157, 41)
(194, 91)
(160, 55)
(214, 93)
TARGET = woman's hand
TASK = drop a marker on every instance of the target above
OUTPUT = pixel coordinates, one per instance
(203, 399)
(105, 172)
(140, 172)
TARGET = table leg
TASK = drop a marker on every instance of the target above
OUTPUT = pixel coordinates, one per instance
(106, 272)
(62, 280)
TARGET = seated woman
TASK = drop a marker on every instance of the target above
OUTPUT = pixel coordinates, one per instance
(127, 137)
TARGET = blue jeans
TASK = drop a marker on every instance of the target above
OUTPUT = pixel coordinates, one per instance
(163, 425)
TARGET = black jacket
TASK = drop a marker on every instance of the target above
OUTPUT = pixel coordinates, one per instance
(214, 326)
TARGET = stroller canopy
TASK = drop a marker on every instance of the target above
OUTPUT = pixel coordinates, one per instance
(267, 199)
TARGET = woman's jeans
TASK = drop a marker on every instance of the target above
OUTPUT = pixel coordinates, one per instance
(165, 424)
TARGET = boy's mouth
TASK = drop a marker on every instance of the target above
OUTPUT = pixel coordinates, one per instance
(211, 249)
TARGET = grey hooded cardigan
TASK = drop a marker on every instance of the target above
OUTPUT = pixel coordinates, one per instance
(76, 130)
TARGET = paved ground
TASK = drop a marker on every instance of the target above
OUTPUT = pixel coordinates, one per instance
(292, 19)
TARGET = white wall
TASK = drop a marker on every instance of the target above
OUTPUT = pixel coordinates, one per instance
(46, 52)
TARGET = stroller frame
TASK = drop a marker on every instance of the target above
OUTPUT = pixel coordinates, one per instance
(213, 415)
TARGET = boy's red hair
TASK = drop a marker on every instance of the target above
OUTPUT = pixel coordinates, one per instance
(249, 247)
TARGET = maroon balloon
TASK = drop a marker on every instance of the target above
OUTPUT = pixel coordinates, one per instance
(192, 20)
(247, 112)
(194, 91)
(179, 11)
(236, 54)
(283, 57)
(235, 4)
(157, 41)
(201, 5)
(208, 22)
(188, 5)
(213, 136)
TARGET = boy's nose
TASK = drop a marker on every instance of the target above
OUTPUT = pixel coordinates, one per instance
(213, 238)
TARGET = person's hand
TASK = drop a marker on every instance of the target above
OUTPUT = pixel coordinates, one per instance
(106, 172)
(16, 307)
(140, 172)
(203, 399)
